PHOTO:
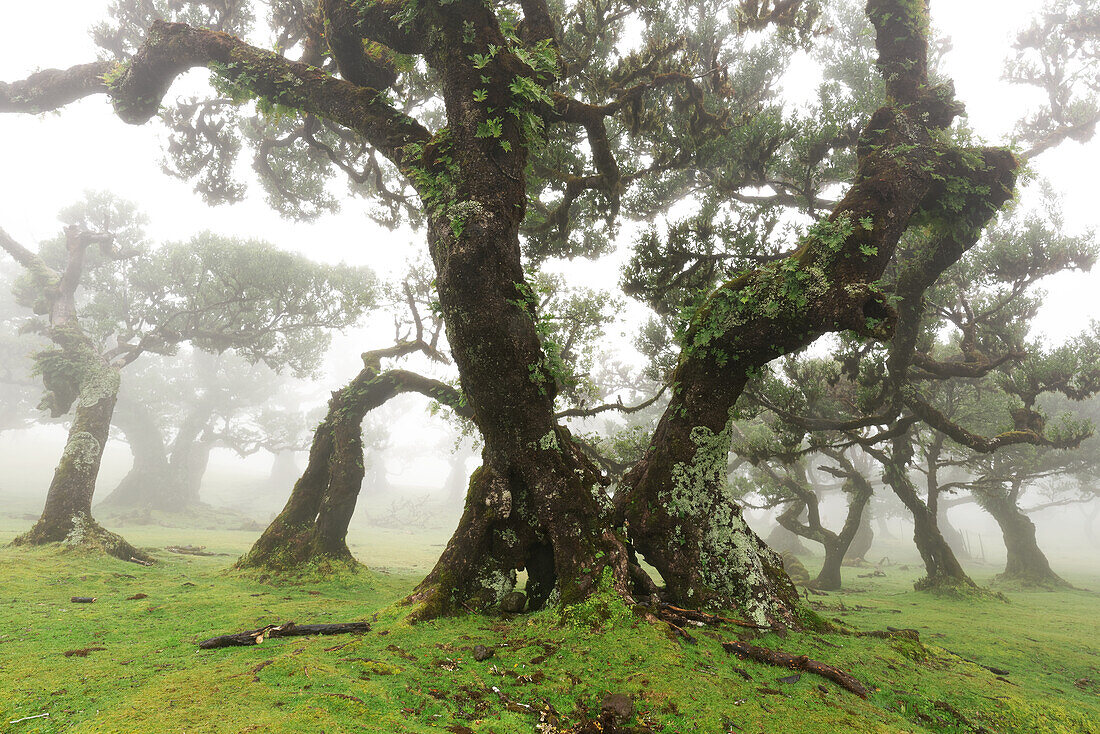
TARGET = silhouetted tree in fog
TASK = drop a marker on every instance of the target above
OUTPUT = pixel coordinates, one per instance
(212, 292)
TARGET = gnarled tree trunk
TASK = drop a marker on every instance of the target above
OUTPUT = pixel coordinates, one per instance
(683, 517)
(836, 545)
(312, 527)
(165, 478)
(68, 509)
(537, 502)
(67, 516)
(943, 570)
(855, 522)
(1026, 564)
(863, 540)
(150, 479)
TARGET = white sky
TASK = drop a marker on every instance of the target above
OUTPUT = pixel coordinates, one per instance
(47, 161)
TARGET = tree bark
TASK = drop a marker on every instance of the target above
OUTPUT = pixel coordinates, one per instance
(1026, 564)
(312, 527)
(537, 502)
(943, 570)
(685, 522)
(67, 516)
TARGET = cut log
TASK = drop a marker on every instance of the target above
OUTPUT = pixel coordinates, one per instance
(287, 629)
(796, 662)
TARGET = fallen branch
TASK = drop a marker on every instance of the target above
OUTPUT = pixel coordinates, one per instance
(288, 629)
(28, 718)
(678, 618)
(796, 662)
(189, 550)
(702, 617)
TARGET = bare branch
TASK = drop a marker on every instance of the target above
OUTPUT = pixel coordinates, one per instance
(618, 406)
(957, 433)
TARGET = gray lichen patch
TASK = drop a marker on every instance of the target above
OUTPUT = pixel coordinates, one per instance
(99, 384)
(82, 451)
(710, 527)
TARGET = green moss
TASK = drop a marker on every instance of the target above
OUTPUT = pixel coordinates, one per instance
(911, 649)
(603, 608)
(809, 620)
(422, 678)
(780, 291)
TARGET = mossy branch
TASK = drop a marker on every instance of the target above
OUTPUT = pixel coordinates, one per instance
(138, 86)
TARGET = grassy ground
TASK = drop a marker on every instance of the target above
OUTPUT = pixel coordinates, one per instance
(127, 664)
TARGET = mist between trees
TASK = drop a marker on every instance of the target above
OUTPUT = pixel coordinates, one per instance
(839, 296)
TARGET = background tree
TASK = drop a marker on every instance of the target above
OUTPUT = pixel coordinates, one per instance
(173, 412)
(213, 293)
(794, 467)
(999, 481)
(312, 528)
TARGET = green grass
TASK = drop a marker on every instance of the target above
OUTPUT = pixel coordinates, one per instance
(149, 675)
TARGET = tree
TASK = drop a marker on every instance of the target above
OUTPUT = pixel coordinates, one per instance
(312, 528)
(998, 481)
(174, 411)
(979, 392)
(479, 112)
(213, 293)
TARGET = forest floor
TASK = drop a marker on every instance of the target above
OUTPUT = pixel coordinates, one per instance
(129, 662)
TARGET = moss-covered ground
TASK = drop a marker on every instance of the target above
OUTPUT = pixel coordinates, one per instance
(129, 664)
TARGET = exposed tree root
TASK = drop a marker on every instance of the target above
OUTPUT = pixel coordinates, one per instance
(287, 629)
(87, 534)
(796, 662)
(678, 619)
(955, 588)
